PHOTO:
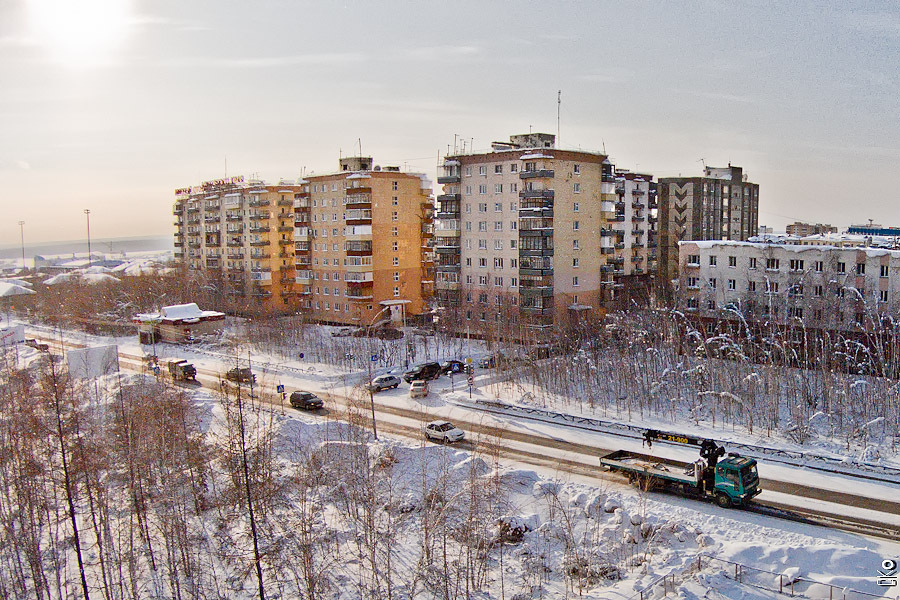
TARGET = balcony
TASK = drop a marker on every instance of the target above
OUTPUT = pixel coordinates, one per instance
(441, 198)
(606, 233)
(359, 217)
(233, 217)
(259, 229)
(358, 200)
(617, 219)
(302, 262)
(261, 277)
(304, 276)
(538, 173)
(537, 194)
(537, 310)
(236, 255)
(615, 260)
(260, 243)
(620, 245)
(286, 242)
(286, 228)
(194, 245)
(452, 286)
(448, 178)
(260, 255)
(534, 252)
(179, 244)
(358, 248)
(637, 192)
(285, 255)
(178, 209)
(285, 202)
(359, 278)
(448, 267)
(260, 216)
(259, 202)
(447, 246)
(302, 233)
(302, 203)
(362, 295)
(637, 219)
(234, 243)
(362, 189)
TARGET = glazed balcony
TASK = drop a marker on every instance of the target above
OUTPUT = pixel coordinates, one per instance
(537, 174)
(302, 262)
(260, 216)
(232, 217)
(359, 295)
(304, 276)
(452, 286)
(359, 217)
(360, 248)
(261, 277)
(302, 233)
(363, 189)
(364, 278)
(358, 200)
(527, 194)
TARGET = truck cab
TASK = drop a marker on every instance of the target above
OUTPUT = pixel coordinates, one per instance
(736, 480)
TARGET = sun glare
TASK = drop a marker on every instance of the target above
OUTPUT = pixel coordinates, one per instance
(83, 33)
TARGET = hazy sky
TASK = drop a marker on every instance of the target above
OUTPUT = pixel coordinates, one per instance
(114, 105)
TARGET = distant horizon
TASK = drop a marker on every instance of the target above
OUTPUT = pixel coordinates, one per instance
(103, 240)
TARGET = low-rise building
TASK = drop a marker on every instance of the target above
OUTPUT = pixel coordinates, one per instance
(179, 323)
(804, 229)
(819, 287)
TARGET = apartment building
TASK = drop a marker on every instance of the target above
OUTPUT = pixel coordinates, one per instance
(362, 244)
(801, 229)
(529, 235)
(242, 232)
(720, 205)
(834, 288)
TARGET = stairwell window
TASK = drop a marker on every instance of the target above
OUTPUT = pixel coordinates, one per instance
(576, 187)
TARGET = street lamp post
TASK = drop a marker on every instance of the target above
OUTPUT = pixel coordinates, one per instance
(370, 361)
(87, 213)
(22, 233)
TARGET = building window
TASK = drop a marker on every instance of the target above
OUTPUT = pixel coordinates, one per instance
(693, 260)
(712, 282)
(883, 295)
(732, 261)
(482, 189)
(482, 262)
(692, 303)
(394, 231)
(396, 261)
(772, 287)
(575, 262)
(732, 284)
(482, 225)
(395, 201)
(395, 216)
(819, 266)
(884, 270)
(817, 291)
(498, 188)
(482, 244)
(498, 207)
(513, 225)
(498, 281)
(482, 280)
(796, 265)
(514, 262)
(482, 207)
(576, 169)
(712, 260)
(842, 267)
(396, 275)
(575, 281)
(860, 268)
(468, 225)
(498, 244)
(395, 246)
(396, 291)
(498, 263)
(468, 171)
(711, 305)
(514, 282)
(468, 192)
(576, 187)
(575, 245)
(772, 264)
(498, 168)
(514, 168)
(498, 225)
(575, 226)
(395, 186)
(514, 188)
(751, 286)
(576, 207)
(468, 262)
(693, 283)
(482, 170)
(752, 263)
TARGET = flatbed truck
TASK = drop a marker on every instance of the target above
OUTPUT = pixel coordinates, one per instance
(729, 481)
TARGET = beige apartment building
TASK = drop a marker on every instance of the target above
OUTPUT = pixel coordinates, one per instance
(362, 244)
(530, 236)
(242, 233)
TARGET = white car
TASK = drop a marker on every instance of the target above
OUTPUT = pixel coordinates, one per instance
(443, 431)
(418, 389)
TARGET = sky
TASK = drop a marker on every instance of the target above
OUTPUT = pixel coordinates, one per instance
(110, 105)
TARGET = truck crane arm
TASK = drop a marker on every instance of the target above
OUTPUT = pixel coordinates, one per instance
(709, 449)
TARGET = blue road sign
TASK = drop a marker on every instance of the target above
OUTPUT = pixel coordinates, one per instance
(280, 388)
(374, 358)
(301, 355)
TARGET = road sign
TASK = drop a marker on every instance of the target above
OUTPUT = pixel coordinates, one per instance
(468, 360)
(471, 380)
(279, 388)
(374, 358)
(156, 370)
(301, 356)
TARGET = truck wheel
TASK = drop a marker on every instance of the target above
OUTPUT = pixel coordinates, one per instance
(723, 500)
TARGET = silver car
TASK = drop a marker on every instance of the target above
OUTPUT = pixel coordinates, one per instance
(443, 431)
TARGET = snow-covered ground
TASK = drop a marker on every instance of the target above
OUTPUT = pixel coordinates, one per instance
(608, 538)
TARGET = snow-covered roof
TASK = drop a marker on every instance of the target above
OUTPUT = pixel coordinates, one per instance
(359, 176)
(180, 313)
(534, 155)
(870, 251)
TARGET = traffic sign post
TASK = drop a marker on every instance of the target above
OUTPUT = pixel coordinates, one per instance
(280, 389)
(471, 381)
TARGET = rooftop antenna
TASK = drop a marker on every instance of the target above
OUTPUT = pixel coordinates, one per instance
(702, 160)
(455, 135)
(360, 147)
(604, 146)
(558, 107)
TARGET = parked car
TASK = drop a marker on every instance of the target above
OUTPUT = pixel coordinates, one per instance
(240, 375)
(384, 382)
(182, 370)
(487, 362)
(443, 431)
(418, 389)
(306, 400)
(453, 366)
(426, 371)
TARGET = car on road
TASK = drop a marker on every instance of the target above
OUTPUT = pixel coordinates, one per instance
(384, 382)
(241, 375)
(426, 371)
(306, 400)
(418, 389)
(443, 431)
(453, 366)
(488, 362)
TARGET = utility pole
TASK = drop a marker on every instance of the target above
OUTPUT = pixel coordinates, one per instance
(87, 213)
(22, 232)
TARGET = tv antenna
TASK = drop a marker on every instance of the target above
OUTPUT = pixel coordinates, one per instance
(702, 160)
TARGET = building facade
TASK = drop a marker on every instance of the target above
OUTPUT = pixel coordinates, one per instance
(350, 247)
(363, 245)
(820, 287)
(804, 229)
(529, 235)
(720, 205)
(241, 233)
